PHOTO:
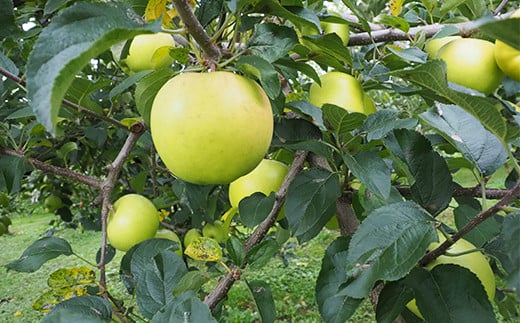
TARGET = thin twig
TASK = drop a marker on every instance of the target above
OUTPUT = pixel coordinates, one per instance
(68, 103)
(512, 194)
(224, 285)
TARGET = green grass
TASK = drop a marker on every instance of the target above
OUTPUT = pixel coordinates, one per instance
(292, 283)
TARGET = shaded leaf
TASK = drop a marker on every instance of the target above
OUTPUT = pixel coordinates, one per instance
(82, 309)
(12, 170)
(371, 170)
(380, 123)
(264, 299)
(271, 41)
(192, 280)
(341, 121)
(387, 245)
(235, 250)
(392, 300)
(79, 33)
(450, 293)
(503, 29)
(311, 202)
(482, 233)
(255, 208)
(307, 108)
(334, 308)
(7, 21)
(466, 132)
(186, 307)
(40, 252)
(262, 253)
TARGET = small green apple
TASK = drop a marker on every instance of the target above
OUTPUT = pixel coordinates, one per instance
(508, 57)
(433, 45)
(149, 51)
(170, 235)
(216, 231)
(52, 203)
(470, 62)
(5, 220)
(133, 219)
(342, 30)
(191, 235)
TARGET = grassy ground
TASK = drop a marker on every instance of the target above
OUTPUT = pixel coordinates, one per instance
(292, 286)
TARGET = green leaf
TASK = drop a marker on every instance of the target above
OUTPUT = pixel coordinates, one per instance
(387, 245)
(392, 300)
(334, 308)
(341, 121)
(79, 33)
(433, 184)
(505, 248)
(264, 299)
(12, 170)
(411, 54)
(7, 21)
(393, 21)
(432, 76)
(8, 64)
(157, 281)
(209, 10)
(81, 309)
(311, 202)
(371, 170)
(370, 201)
(380, 123)
(358, 12)
(255, 208)
(271, 41)
(192, 280)
(263, 70)
(235, 251)
(186, 307)
(299, 16)
(482, 233)
(465, 132)
(450, 293)
(127, 83)
(300, 67)
(147, 89)
(40, 252)
(329, 45)
(505, 30)
(141, 255)
(262, 253)
(312, 111)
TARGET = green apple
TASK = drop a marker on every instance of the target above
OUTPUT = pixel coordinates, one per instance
(340, 89)
(191, 235)
(211, 128)
(369, 105)
(471, 63)
(52, 203)
(433, 45)
(216, 231)
(508, 57)
(3, 229)
(267, 177)
(342, 30)
(474, 261)
(5, 220)
(170, 235)
(133, 219)
(149, 51)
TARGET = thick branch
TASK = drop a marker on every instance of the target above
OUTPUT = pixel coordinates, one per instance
(224, 285)
(196, 30)
(476, 191)
(65, 172)
(392, 34)
(68, 103)
(511, 195)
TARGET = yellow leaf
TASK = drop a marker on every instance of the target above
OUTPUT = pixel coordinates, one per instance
(46, 302)
(163, 214)
(204, 249)
(65, 278)
(18, 313)
(154, 9)
(396, 6)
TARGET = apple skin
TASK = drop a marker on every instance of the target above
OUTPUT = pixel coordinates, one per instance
(191, 235)
(216, 231)
(475, 261)
(340, 89)
(267, 177)
(433, 45)
(471, 63)
(133, 219)
(342, 30)
(211, 128)
(52, 203)
(142, 48)
(170, 235)
(508, 57)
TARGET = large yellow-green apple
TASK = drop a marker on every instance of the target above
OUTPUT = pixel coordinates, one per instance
(474, 261)
(216, 231)
(508, 57)
(340, 89)
(211, 128)
(191, 235)
(133, 219)
(433, 45)
(149, 51)
(52, 203)
(369, 104)
(342, 30)
(170, 235)
(471, 63)
(267, 177)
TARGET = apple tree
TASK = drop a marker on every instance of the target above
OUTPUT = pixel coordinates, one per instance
(395, 122)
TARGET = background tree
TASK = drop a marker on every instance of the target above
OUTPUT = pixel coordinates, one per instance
(75, 123)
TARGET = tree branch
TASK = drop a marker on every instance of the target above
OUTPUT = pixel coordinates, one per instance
(196, 30)
(68, 103)
(225, 284)
(512, 194)
(476, 191)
